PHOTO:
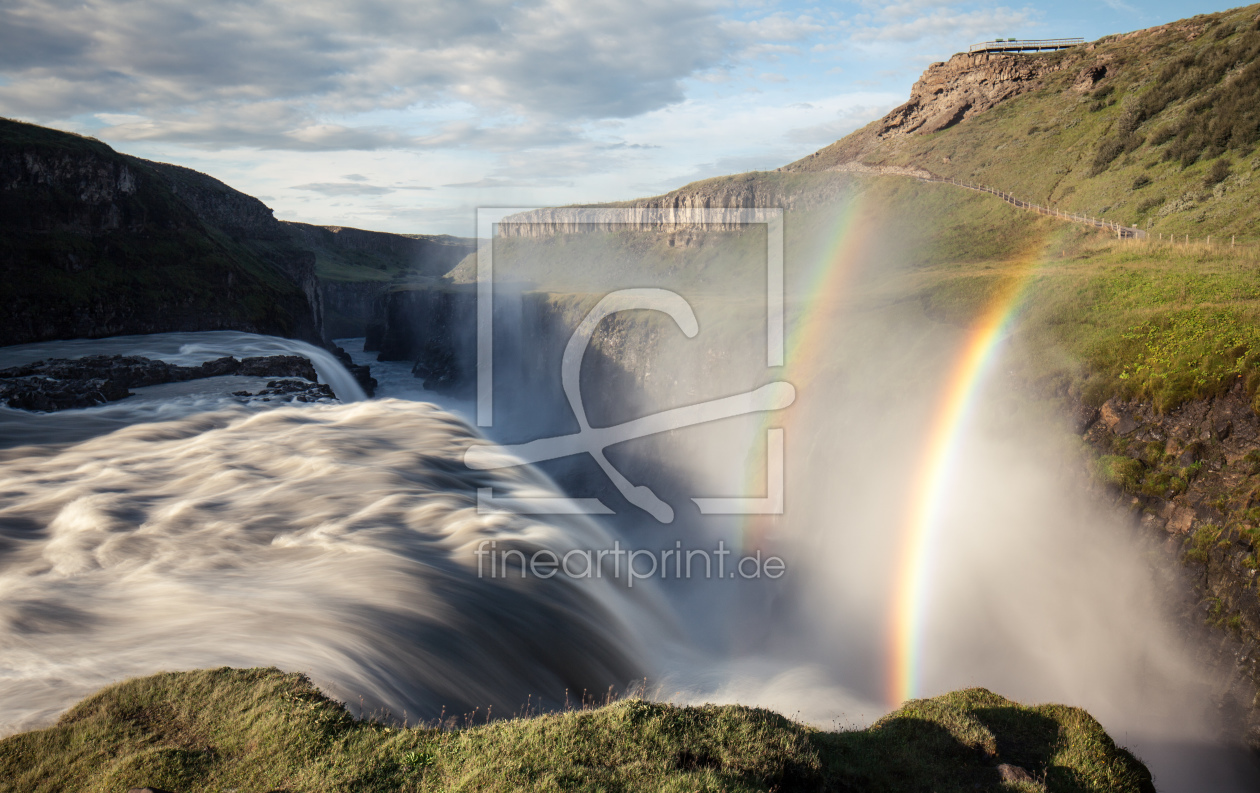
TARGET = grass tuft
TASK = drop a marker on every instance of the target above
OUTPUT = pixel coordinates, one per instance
(262, 729)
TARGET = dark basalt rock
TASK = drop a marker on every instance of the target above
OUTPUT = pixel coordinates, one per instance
(361, 372)
(295, 390)
(129, 371)
(47, 394)
(278, 366)
(66, 383)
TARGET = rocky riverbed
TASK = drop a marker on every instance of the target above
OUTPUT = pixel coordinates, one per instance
(66, 383)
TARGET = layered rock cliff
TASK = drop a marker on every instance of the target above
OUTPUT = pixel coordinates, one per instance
(356, 267)
(948, 93)
(1192, 476)
(962, 87)
(94, 243)
(689, 208)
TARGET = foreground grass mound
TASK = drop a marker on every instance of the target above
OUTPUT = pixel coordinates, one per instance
(265, 730)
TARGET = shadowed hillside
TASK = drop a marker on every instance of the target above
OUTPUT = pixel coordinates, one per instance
(94, 243)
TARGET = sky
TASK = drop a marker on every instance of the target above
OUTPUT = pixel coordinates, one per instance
(406, 115)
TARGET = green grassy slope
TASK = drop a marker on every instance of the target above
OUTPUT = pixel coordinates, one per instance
(260, 729)
(1098, 318)
(355, 255)
(1166, 140)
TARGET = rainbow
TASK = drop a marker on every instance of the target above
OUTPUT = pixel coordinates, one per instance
(825, 287)
(913, 574)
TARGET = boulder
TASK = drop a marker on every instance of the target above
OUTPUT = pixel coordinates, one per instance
(1014, 773)
(1117, 419)
(278, 366)
(1083, 417)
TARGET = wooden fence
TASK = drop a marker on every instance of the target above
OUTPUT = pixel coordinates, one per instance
(1120, 230)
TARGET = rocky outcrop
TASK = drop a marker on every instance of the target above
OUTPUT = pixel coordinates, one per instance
(963, 87)
(361, 373)
(1192, 477)
(65, 383)
(947, 94)
(687, 210)
(290, 391)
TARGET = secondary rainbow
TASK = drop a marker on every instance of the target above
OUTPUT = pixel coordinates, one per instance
(824, 287)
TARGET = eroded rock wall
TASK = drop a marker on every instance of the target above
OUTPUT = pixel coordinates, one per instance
(93, 243)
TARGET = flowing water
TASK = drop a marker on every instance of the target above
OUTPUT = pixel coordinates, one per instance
(181, 529)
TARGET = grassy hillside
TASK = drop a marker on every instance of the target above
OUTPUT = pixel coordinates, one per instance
(355, 255)
(260, 729)
(1099, 317)
(1165, 140)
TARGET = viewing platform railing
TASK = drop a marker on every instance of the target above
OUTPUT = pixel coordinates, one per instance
(1025, 45)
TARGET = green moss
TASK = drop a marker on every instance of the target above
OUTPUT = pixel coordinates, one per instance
(1124, 472)
(260, 729)
(1199, 545)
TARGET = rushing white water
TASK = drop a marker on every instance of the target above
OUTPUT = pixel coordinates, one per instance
(179, 529)
(161, 402)
(334, 539)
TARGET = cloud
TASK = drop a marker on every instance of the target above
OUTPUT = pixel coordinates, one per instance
(491, 182)
(936, 22)
(847, 120)
(343, 188)
(944, 25)
(276, 74)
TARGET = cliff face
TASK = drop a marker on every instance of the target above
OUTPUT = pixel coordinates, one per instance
(965, 86)
(248, 222)
(1193, 477)
(355, 267)
(418, 254)
(681, 211)
(93, 243)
